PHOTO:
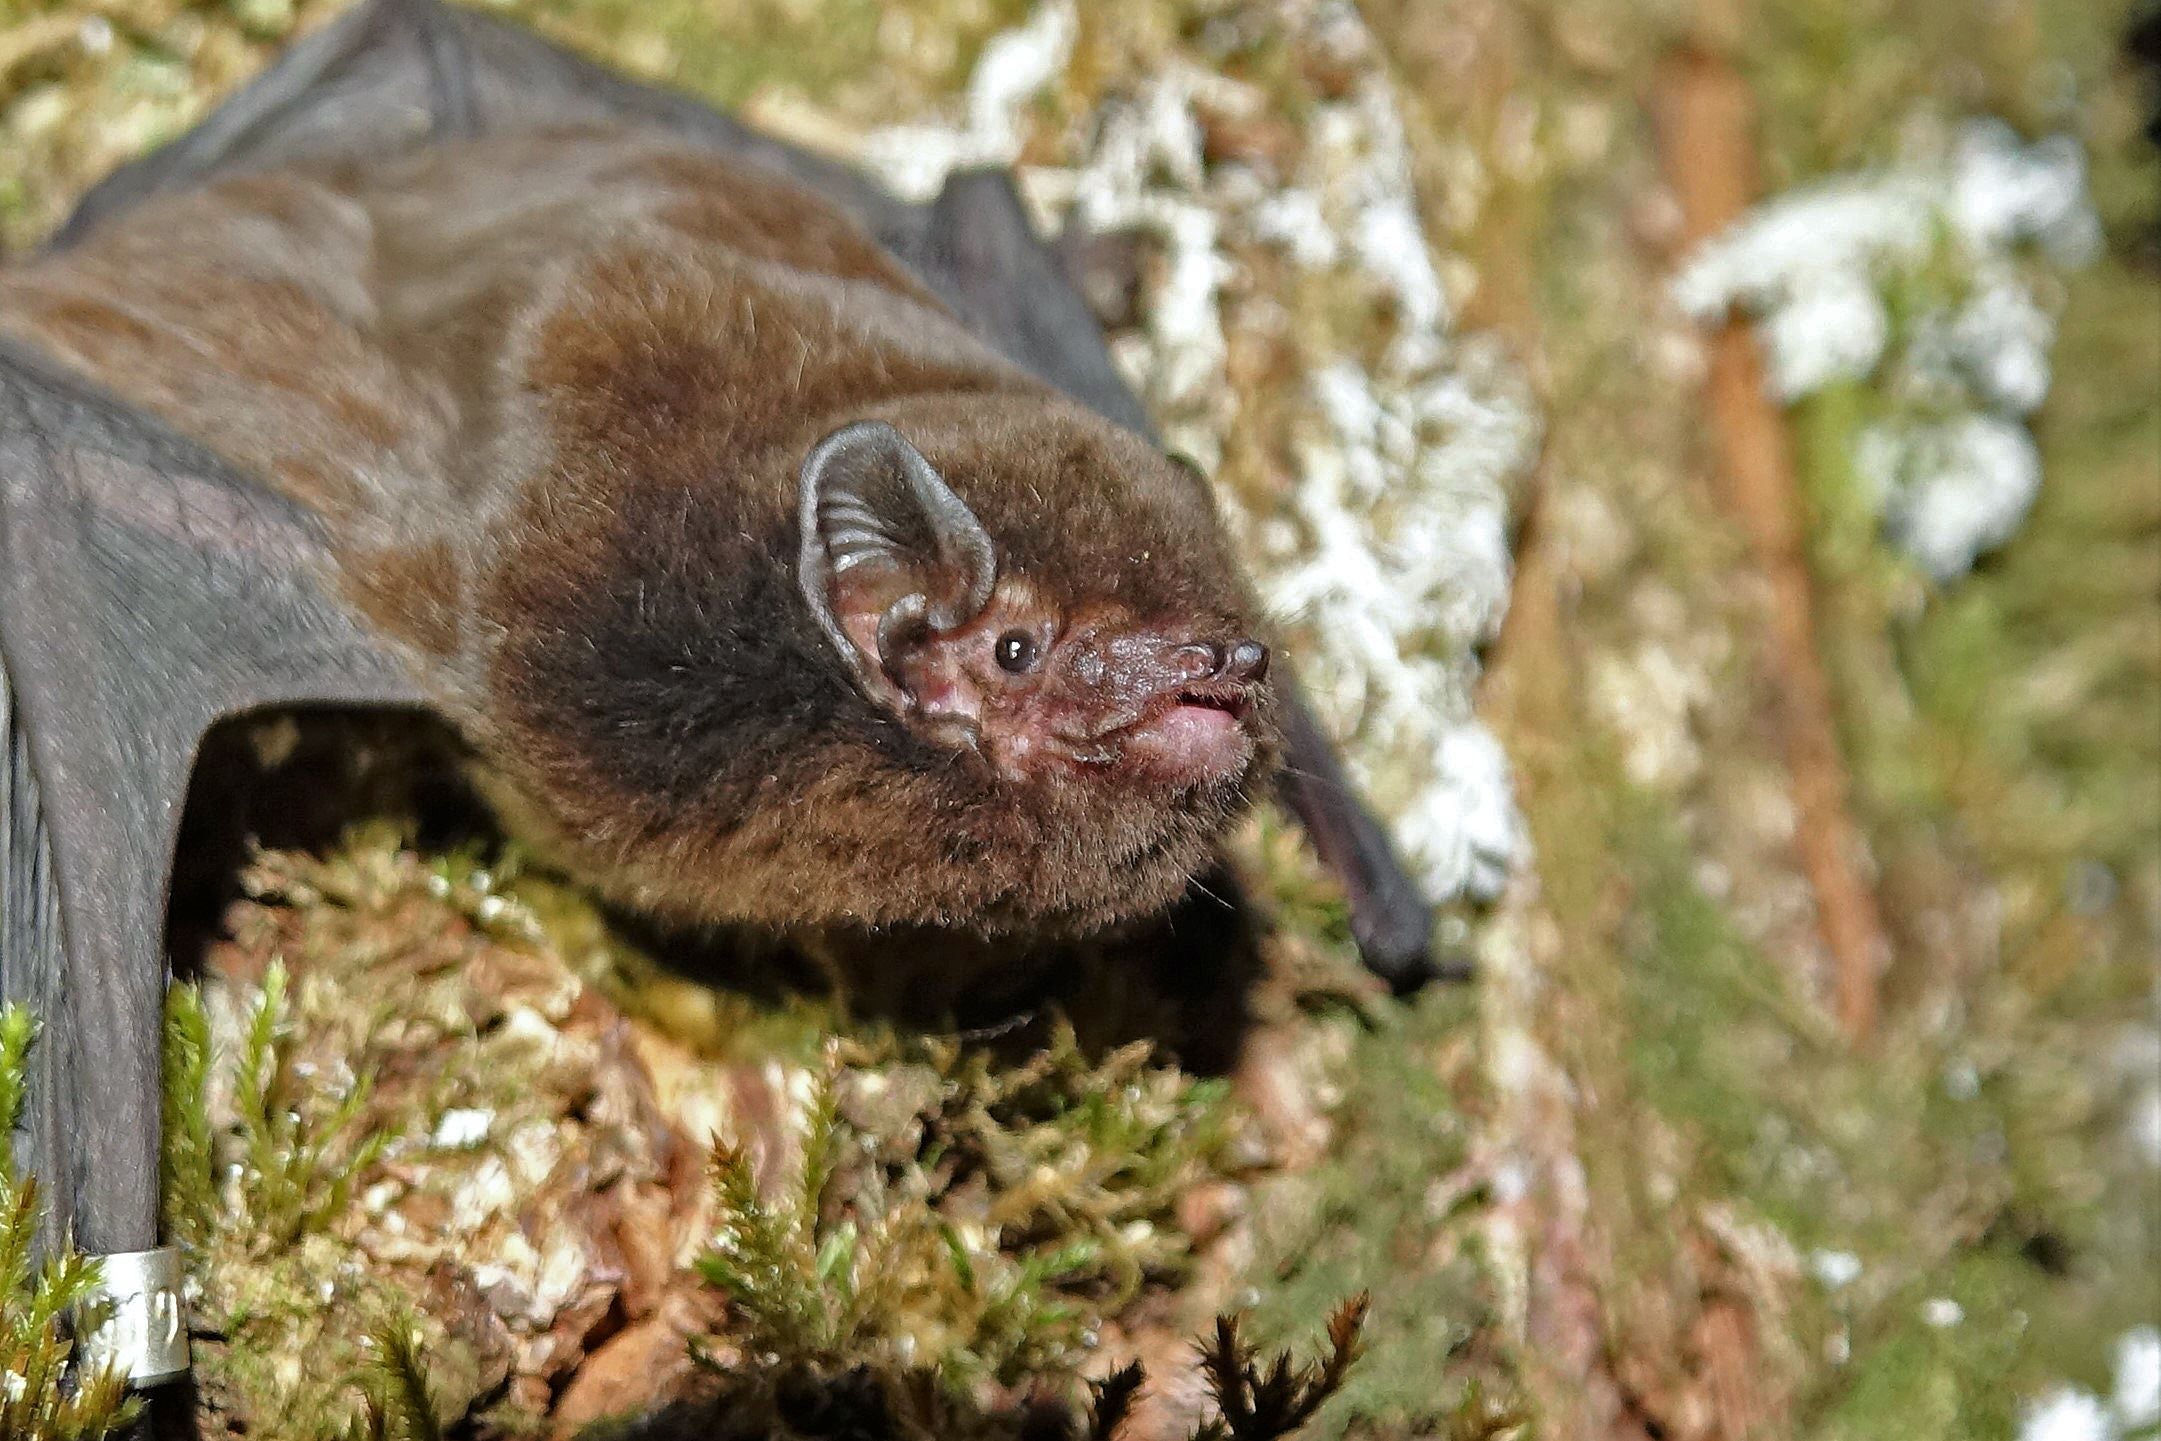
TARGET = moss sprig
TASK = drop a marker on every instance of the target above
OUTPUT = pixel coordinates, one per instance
(1262, 1402)
(295, 1171)
(47, 1392)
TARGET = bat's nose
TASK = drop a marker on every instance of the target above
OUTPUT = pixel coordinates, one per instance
(1243, 661)
(1247, 661)
(1200, 660)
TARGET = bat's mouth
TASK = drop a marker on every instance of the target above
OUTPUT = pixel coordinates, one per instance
(1226, 701)
(1194, 734)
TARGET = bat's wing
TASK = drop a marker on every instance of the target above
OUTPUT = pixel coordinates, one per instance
(391, 75)
(978, 251)
(146, 591)
(394, 74)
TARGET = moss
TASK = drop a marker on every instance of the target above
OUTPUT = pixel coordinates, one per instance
(2043, 675)
(977, 1219)
(398, 1400)
(1711, 1025)
(1257, 1397)
(50, 1393)
(85, 84)
(755, 43)
(856, 56)
(2009, 726)
(1392, 1211)
(980, 1215)
(1970, 1190)
(892, 1286)
(261, 1205)
(2002, 736)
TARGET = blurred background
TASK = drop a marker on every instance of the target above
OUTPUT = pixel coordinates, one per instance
(1707, 457)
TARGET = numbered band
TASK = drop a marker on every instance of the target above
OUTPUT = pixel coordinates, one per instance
(137, 1322)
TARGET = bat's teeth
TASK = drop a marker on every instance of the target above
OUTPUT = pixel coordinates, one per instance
(1230, 704)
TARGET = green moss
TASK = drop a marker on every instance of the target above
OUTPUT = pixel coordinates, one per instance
(50, 1395)
(866, 1291)
(1712, 1026)
(300, 1153)
(2044, 674)
(757, 42)
(840, 53)
(976, 1219)
(979, 1216)
(397, 1401)
(260, 1205)
(1390, 1211)
(1970, 1190)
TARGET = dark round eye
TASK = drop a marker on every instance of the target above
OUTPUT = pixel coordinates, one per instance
(1016, 652)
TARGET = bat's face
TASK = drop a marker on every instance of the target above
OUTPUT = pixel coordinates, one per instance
(1038, 691)
(1040, 687)
(1033, 710)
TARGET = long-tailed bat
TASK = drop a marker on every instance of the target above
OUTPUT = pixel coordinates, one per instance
(788, 554)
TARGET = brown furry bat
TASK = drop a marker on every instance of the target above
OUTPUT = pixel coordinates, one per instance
(787, 553)
(773, 594)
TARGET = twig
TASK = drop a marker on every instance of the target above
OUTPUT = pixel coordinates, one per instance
(1705, 121)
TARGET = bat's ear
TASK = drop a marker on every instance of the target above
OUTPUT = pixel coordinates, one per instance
(889, 552)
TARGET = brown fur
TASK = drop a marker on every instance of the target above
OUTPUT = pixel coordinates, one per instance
(550, 396)
(416, 594)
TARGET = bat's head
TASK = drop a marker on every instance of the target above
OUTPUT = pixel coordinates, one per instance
(1039, 684)
(970, 660)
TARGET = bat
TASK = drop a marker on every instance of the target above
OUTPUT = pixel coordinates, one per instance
(787, 553)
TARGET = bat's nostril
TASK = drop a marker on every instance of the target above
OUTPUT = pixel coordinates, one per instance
(1200, 660)
(1248, 660)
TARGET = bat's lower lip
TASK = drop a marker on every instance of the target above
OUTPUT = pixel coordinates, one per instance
(1199, 738)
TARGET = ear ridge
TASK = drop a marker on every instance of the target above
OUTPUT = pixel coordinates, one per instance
(869, 498)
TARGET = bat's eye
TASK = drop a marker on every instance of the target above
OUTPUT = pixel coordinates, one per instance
(1016, 652)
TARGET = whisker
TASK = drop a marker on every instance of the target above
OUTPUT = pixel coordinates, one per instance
(1348, 791)
(1203, 889)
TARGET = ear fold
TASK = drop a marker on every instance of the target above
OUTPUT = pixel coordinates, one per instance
(887, 548)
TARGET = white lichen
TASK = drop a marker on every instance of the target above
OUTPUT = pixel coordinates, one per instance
(1650, 698)
(2004, 193)
(2067, 1414)
(2137, 1395)
(2142, 1128)
(1012, 70)
(2130, 1411)
(1834, 1270)
(1942, 1313)
(1956, 242)
(1950, 490)
(462, 1126)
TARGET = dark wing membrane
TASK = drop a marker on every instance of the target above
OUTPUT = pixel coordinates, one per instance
(978, 251)
(145, 592)
(392, 75)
